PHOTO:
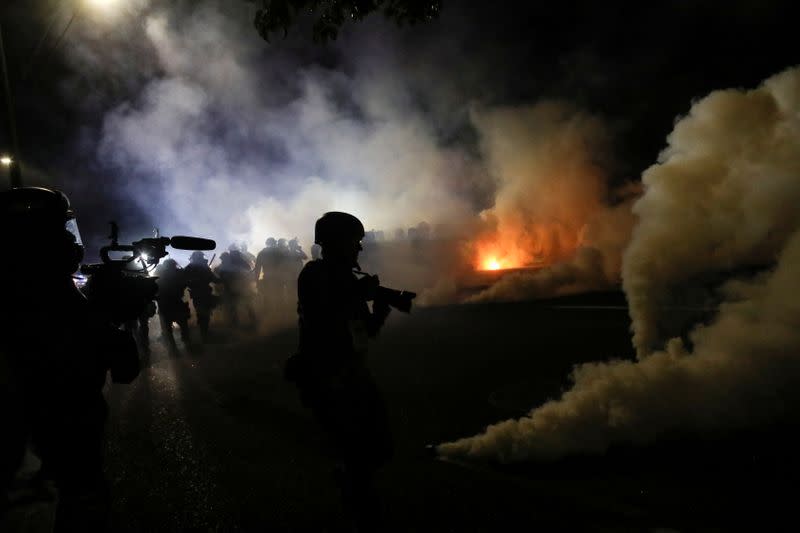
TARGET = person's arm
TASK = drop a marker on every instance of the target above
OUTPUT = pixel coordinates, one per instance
(376, 319)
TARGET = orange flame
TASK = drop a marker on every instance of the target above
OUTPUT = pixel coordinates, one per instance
(516, 247)
(491, 264)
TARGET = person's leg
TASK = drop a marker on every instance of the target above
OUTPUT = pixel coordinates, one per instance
(203, 320)
(166, 333)
(183, 324)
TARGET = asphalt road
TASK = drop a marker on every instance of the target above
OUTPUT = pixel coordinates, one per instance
(217, 441)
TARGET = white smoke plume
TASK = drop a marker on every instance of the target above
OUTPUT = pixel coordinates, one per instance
(238, 140)
(723, 195)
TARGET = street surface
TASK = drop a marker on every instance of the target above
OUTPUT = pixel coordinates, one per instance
(218, 441)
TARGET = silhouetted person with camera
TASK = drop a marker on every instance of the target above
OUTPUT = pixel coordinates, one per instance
(172, 308)
(330, 367)
(55, 354)
(199, 278)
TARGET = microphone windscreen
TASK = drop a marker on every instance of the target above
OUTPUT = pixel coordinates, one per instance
(181, 242)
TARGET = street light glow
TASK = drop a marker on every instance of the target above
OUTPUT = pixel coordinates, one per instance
(6, 160)
(102, 4)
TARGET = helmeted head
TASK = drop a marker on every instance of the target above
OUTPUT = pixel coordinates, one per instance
(39, 225)
(198, 257)
(238, 260)
(282, 243)
(233, 247)
(339, 234)
(169, 265)
(294, 244)
(270, 242)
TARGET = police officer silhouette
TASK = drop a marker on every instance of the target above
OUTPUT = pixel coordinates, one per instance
(330, 367)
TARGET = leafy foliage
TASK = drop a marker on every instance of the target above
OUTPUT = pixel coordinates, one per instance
(274, 16)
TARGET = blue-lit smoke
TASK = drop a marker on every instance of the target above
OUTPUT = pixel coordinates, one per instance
(237, 140)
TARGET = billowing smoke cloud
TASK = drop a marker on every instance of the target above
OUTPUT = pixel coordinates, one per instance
(231, 142)
(553, 210)
(723, 195)
(222, 136)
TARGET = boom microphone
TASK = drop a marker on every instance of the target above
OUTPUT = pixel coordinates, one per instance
(181, 242)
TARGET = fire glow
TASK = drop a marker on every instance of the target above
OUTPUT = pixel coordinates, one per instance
(493, 260)
(514, 246)
(491, 264)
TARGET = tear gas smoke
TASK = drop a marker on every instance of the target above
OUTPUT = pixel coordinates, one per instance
(226, 140)
(548, 184)
(225, 137)
(723, 195)
(553, 209)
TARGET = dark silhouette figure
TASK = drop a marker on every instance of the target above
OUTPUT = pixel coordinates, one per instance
(171, 306)
(330, 368)
(235, 276)
(199, 278)
(286, 275)
(55, 354)
(265, 258)
(268, 280)
(140, 329)
(297, 258)
(250, 258)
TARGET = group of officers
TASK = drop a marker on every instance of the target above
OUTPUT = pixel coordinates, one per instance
(57, 353)
(229, 284)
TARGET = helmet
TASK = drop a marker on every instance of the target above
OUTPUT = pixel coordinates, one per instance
(271, 242)
(197, 257)
(170, 264)
(337, 226)
(38, 208)
(282, 243)
(42, 218)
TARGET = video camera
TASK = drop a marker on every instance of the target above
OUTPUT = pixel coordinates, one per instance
(121, 286)
(400, 300)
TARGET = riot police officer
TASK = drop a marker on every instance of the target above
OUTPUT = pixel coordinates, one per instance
(236, 277)
(267, 276)
(56, 352)
(297, 258)
(172, 308)
(199, 278)
(330, 366)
